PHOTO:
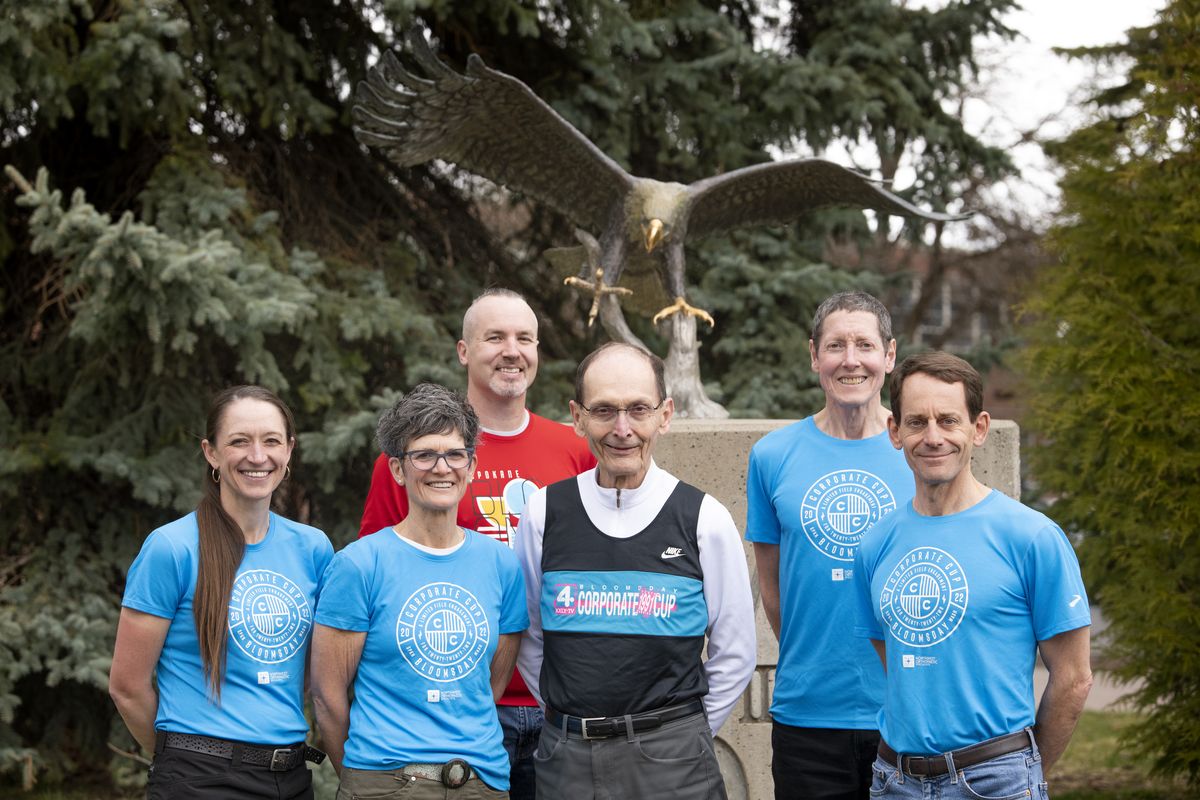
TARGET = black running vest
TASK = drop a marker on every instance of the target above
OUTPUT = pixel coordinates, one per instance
(623, 619)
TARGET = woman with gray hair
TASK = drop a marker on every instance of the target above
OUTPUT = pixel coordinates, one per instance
(425, 619)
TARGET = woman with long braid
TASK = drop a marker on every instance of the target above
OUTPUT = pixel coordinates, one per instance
(220, 602)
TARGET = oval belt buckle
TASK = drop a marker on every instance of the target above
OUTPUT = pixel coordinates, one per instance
(455, 773)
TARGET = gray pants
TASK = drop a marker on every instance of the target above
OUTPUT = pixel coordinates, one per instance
(392, 785)
(677, 760)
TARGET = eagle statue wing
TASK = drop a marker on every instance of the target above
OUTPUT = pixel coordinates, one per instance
(491, 124)
(780, 192)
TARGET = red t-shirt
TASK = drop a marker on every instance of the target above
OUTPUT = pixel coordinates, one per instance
(509, 470)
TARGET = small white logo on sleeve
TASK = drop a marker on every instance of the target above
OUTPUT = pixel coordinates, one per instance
(264, 677)
(1074, 601)
(672, 552)
(433, 696)
(908, 661)
(839, 575)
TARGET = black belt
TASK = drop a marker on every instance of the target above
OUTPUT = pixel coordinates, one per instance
(276, 759)
(932, 766)
(606, 727)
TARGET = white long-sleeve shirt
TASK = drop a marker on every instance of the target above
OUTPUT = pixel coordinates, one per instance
(731, 645)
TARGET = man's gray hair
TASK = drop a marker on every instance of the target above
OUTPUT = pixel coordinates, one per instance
(852, 301)
(428, 409)
(495, 291)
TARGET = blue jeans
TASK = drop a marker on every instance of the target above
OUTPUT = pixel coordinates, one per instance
(1015, 776)
(522, 726)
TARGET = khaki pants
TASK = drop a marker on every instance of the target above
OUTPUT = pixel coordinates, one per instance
(371, 784)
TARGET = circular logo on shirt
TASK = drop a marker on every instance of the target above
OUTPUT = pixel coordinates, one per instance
(269, 617)
(442, 631)
(924, 598)
(840, 507)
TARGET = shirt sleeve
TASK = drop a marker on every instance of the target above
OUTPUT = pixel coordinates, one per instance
(345, 601)
(158, 577)
(387, 502)
(514, 615)
(1057, 598)
(762, 524)
(731, 639)
(866, 624)
(529, 553)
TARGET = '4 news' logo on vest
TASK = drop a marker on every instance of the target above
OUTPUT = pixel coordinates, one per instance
(631, 601)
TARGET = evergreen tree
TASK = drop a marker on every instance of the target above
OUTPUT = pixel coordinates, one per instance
(208, 218)
(1113, 364)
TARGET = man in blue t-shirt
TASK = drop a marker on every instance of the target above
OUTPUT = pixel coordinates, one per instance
(813, 489)
(958, 591)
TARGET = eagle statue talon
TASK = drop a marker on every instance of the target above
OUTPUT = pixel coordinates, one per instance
(598, 289)
(682, 306)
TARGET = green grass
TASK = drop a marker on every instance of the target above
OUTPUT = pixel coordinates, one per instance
(1096, 768)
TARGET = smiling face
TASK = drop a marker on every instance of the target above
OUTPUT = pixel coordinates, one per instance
(250, 451)
(936, 432)
(851, 359)
(440, 488)
(499, 347)
(623, 447)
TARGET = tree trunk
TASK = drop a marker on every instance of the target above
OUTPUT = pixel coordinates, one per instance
(683, 372)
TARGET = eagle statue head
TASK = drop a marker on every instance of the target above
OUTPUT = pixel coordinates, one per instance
(656, 212)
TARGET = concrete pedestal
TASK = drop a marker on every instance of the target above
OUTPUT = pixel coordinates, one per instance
(713, 455)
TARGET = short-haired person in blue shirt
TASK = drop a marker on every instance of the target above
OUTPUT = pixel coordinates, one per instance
(424, 619)
(221, 603)
(958, 591)
(813, 490)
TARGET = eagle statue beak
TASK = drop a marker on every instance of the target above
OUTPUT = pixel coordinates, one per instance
(654, 234)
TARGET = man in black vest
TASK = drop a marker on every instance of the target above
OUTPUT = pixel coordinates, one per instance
(627, 569)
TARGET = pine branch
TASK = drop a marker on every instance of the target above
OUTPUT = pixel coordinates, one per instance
(132, 756)
(17, 178)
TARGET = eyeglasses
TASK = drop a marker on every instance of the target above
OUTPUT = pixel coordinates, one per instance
(638, 412)
(426, 460)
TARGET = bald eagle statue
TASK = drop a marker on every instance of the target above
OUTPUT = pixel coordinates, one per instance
(492, 124)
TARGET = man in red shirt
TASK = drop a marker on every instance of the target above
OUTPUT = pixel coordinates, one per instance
(518, 453)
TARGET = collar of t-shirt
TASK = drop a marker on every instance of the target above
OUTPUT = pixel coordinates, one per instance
(638, 507)
(433, 551)
(517, 431)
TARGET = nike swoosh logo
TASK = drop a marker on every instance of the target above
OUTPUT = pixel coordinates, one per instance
(672, 552)
(1074, 602)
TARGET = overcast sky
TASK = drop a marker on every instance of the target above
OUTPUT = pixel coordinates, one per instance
(1026, 85)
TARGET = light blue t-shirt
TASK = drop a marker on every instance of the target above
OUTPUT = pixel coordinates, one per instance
(815, 496)
(961, 602)
(423, 691)
(270, 620)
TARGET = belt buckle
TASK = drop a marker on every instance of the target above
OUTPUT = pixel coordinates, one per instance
(583, 727)
(279, 759)
(455, 773)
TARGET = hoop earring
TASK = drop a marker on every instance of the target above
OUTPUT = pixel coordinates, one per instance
(216, 475)
(287, 471)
